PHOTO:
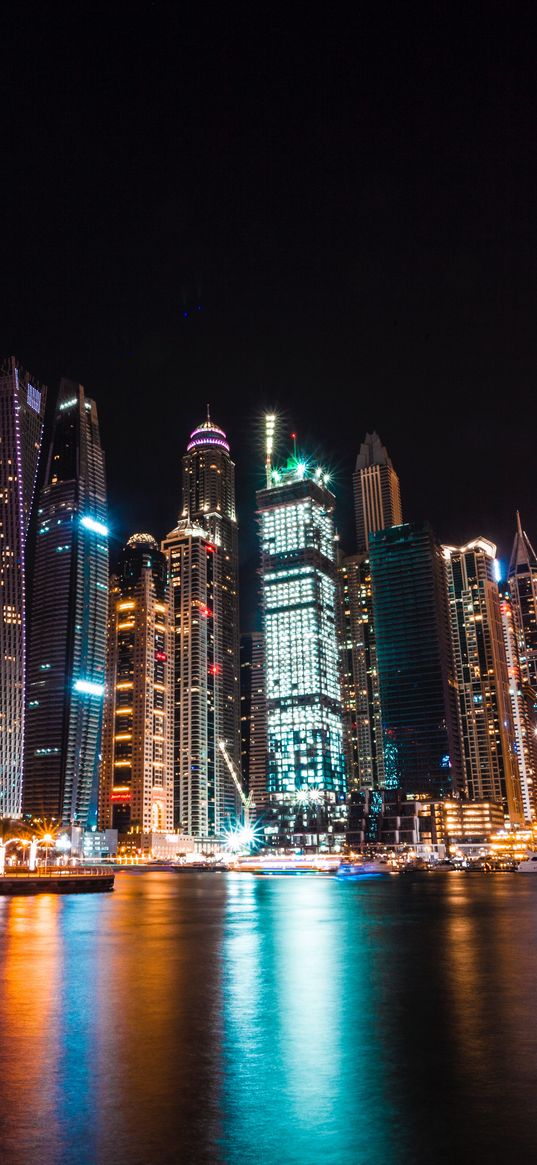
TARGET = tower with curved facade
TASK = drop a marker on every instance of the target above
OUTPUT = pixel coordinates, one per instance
(136, 789)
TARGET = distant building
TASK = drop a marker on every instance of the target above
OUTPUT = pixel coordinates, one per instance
(136, 789)
(254, 717)
(359, 675)
(306, 770)
(22, 411)
(417, 683)
(66, 663)
(377, 498)
(523, 590)
(481, 674)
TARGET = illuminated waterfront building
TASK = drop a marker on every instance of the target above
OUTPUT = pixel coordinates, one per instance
(136, 791)
(522, 697)
(417, 684)
(523, 590)
(66, 664)
(359, 675)
(304, 712)
(377, 498)
(22, 410)
(254, 717)
(484, 705)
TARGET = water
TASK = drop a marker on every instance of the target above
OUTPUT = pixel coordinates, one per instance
(197, 1018)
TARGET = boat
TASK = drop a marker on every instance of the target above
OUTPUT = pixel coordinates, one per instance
(373, 869)
(529, 865)
(287, 865)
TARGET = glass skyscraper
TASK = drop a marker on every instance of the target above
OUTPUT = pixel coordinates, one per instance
(377, 498)
(359, 675)
(22, 410)
(136, 790)
(417, 683)
(484, 705)
(304, 712)
(66, 664)
(254, 717)
(523, 590)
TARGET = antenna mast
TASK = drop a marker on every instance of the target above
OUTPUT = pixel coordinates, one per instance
(270, 426)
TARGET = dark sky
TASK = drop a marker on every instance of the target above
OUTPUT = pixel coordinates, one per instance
(346, 212)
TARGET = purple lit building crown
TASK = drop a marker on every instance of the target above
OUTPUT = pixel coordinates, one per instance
(208, 434)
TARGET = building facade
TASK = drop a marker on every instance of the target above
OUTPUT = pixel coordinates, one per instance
(377, 497)
(523, 698)
(417, 684)
(22, 411)
(359, 675)
(254, 718)
(304, 712)
(484, 703)
(136, 790)
(67, 656)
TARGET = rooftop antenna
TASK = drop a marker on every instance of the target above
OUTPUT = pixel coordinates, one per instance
(270, 426)
(293, 435)
(208, 414)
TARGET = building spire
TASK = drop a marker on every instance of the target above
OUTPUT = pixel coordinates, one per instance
(208, 414)
(523, 555)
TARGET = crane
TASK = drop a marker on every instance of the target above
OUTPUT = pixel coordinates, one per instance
(247, 799)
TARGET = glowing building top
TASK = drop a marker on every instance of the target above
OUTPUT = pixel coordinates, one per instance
(208, 434)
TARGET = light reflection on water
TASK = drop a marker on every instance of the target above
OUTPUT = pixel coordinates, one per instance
(230, 1019)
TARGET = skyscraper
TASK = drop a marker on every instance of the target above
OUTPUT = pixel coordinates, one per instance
(417, 692)
(209, 502)
(22, 410)
(359, 675)
(523, 589)
(66, 664)
(377, 498)
(136, 791)
(254, 717)
(304, 713)
(522, 698)
(484, 703)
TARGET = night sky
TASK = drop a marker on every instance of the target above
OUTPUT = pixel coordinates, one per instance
(336, 220)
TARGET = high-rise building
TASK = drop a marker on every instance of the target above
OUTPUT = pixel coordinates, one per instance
(377, 498)
(204, 806)
(484, 703)
(359, 675)
(523, 699)
(67, 655)
(136, 791)
(523, 589)
(417, 684)
(254, 718)
(304, 713)
(209, 501)
(22, 410)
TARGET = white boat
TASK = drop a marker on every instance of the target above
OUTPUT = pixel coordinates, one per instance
(365, 869)
(529, 865)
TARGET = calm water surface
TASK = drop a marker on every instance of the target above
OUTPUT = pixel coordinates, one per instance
(197, 1018)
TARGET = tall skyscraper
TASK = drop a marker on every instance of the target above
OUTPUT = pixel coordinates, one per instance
(136, 791)
(22, 411)
(254, 717)
(377, 498)
(67, 656)
(359, 675)
(484, 703)
(522, 698)
(417, 685)
(304, 713)
(523, 589)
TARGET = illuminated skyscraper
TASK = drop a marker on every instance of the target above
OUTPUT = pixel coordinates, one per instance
(523, 590)
(417, 685)
(359, 675)
(66, 664)
(136, 791)
(254, 717)
(484, 703)
(22, 409)
(377, 498)
(304, 713)
(522, 697)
